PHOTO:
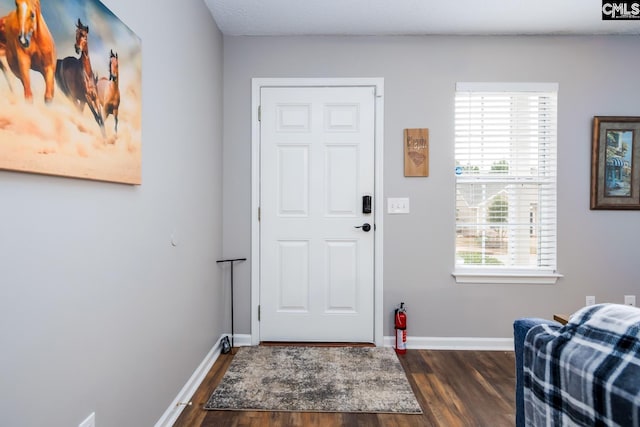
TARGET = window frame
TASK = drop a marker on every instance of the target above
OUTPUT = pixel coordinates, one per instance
(480, 274)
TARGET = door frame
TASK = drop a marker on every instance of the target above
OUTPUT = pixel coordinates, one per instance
(378, 85)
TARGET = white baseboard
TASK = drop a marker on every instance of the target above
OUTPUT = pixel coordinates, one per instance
(454, 343)
(174, 410)
(429, 343)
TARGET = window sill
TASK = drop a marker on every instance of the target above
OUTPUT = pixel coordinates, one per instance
(493, 277)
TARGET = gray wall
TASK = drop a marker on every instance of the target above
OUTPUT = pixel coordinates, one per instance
(597, 252)
(98, 311)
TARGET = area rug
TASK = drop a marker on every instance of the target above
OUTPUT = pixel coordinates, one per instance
(315, 379)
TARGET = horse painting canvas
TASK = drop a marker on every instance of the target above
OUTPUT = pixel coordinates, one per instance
(68, 66)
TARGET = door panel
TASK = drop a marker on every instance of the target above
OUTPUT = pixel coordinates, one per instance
(293, 276)
(293, 180)
(317, 161)
(342, 276)
(341, 175)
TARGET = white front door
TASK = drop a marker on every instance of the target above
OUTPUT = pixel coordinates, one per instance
(316, 164)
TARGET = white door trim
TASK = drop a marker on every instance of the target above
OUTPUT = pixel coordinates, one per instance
(256, 84)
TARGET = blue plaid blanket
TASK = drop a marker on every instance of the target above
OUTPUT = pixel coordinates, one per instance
(586, 373)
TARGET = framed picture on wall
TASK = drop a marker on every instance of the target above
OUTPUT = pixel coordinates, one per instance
(615, 163)
(416, 152)
(70, 91)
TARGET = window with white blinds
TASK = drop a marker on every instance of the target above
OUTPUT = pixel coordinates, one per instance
(505, 153)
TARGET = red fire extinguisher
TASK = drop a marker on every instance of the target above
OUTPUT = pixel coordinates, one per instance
(401, 329)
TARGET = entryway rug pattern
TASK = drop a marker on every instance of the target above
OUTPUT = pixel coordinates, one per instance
(315, 379)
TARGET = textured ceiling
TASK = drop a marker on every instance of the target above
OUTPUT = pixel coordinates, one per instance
(388, 17)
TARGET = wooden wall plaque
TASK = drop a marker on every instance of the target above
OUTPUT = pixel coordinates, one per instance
(416, 152)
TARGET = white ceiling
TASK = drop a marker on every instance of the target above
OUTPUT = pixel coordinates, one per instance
(414, 17)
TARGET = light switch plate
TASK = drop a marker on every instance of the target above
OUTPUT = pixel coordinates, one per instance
(398, 205)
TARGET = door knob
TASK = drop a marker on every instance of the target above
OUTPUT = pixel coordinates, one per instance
(365, 227)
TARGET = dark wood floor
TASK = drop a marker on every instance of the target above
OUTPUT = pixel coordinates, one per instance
(454, 388)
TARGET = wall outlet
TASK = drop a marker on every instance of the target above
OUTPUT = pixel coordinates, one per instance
(89, 422)
(590, 300)
(630, 300)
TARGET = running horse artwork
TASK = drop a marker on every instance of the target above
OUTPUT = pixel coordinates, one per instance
(30, 46)
(87, 55)
(109, 92)
(75, 77)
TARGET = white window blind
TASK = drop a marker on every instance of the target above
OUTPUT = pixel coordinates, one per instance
(505, 152)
